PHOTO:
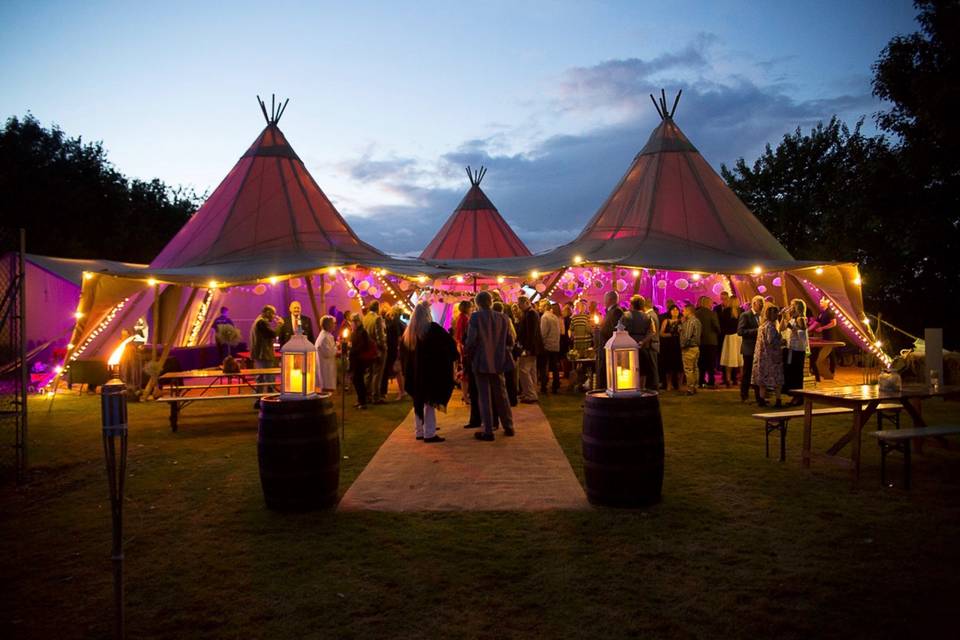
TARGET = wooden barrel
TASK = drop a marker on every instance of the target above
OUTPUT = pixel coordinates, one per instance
(298, 449)
(623, 449)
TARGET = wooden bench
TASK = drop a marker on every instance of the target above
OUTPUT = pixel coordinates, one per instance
(177, 403)
(900, 439)
(777, 421)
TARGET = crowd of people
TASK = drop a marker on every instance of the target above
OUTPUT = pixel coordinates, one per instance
(501, 354)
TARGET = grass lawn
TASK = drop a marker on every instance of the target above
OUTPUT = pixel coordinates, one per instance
(741, 546)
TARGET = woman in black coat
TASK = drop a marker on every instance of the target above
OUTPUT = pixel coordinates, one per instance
(428, 354)
(359, 358)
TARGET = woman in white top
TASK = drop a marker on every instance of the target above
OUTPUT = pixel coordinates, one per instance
(797, 343)
(327, 354)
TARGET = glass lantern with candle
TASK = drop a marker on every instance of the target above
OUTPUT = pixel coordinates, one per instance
(623, 364)
(298, 369)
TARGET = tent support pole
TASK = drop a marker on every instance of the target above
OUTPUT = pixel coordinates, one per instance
(323, 304)
(313, 298)
(167, 344)
(156, 318)
(783, 288)
(733, 289)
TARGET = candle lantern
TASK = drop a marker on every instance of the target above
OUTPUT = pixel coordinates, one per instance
(623, 364)
(298, 369)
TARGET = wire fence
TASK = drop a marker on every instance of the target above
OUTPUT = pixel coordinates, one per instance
(14, 378)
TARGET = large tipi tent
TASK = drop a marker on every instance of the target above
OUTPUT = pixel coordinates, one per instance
(475, 230)
(671, 216)
(268, 227)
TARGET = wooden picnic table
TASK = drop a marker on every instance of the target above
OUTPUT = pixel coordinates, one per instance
(863, 400)
(243, 382)
(216, 376)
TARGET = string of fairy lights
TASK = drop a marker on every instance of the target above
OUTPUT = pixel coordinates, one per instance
(201, 317)
(75, 351)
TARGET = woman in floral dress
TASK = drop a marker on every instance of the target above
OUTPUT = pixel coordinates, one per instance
(768, 360)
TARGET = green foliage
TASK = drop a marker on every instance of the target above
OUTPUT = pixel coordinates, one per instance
(74, 203)
(890, 204)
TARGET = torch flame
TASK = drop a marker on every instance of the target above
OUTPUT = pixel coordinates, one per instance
(114, 359)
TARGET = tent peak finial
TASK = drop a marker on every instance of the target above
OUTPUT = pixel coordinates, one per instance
(661, 107)
(476, 176)
(276, 110)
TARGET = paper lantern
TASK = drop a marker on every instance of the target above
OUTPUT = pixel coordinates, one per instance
(352, 293)
(403, 285)
(661, 284)
(681, 284)
(621, 285)
(296, 283)
(718, 289)
(777, 281)
(761, 289)
(363, 285)
(541, 287)
(260, 289)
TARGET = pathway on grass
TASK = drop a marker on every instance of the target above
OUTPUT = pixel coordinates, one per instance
(527, 472)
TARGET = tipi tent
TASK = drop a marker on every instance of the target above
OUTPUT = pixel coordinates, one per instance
(475, 229)
(268, 223)
(671, 215)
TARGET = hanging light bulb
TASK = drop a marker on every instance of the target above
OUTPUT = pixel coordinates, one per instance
(757, 270)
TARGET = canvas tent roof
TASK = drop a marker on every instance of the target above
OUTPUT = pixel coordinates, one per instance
(267, 217)
(72, 269)
(475, 230)
(669, 211)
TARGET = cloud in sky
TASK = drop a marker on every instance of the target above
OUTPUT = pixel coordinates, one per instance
(548, 190)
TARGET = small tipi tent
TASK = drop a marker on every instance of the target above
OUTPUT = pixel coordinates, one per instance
(475, 230)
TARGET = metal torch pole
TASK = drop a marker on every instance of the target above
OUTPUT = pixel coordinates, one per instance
(114, 414)
(343, 391)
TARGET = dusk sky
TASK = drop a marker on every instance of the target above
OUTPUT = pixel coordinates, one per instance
(389, 101)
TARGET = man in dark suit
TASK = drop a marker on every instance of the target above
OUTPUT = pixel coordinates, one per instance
(531, 341)
(295, 321)
(612, 315)
(747, 327)
(709, 341)
(488, 345)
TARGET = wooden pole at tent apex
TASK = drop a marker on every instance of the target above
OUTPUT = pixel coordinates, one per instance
(313, 300)
(168, 343)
